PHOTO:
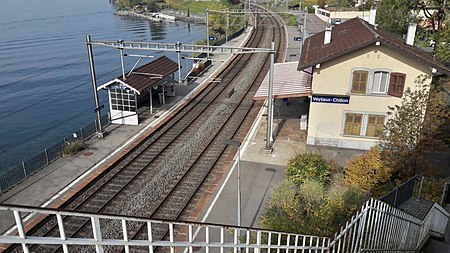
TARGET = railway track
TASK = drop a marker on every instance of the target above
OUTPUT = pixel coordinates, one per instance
(161, 177)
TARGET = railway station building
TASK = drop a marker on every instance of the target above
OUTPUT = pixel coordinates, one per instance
(358, 70)
(128, 92)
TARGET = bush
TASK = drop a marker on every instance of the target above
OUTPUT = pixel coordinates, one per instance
(308, 166)
(72, 147)
(366, 171)
(282, 212)
(310, 208)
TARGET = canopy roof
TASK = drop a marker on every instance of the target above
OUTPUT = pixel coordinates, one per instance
(287, 82)
(144, 77)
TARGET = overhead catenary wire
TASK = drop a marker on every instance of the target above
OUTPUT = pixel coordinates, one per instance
(49, 70)
(65, 65)
(56, 95)
(47, 129)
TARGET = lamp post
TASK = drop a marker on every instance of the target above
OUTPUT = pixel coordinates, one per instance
(237, 144)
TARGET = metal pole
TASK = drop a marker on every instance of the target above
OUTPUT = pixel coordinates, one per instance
(239, 185)
(228, 24)
(121, 60)
(304, 26)
(270, 102)
(94, 87)
(239, 191)
(444, 193)
(151, 101)
(420, 188)
(179, 62)
(163, 94)
(207, 32)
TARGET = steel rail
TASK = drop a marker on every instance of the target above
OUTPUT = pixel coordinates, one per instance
(141, 232)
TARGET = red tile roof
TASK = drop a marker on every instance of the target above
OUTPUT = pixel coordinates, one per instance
(162, 66)
(354, 34)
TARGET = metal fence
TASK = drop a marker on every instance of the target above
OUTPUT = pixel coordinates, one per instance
(401, 194)
(41, 160)
(418, 187)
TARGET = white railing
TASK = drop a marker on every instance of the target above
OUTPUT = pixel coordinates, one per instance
(434, 222)
(182, 236)
(378, 226)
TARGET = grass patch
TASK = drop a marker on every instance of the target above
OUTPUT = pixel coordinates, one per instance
(198, 7)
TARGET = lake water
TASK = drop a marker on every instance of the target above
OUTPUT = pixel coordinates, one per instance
(45, 89)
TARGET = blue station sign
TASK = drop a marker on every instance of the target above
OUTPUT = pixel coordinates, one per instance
(297, 38)
(331, 99)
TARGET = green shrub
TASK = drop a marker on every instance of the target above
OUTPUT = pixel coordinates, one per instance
(282, 209)
(311, 208)
(308, 166)
(72, 147)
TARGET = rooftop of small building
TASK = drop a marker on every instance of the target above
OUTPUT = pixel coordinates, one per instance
(353, 35)
(145, 76)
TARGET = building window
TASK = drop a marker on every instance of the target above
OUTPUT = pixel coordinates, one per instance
(122, 100)
(364, 124)
(353, 123)
(375, 125)
(359, 81)
(380, 82)
(396, 84)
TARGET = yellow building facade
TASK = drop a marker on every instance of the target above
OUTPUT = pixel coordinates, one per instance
(327, 121)
(358, 72)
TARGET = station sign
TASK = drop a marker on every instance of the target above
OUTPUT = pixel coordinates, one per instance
(297, 38)
(212, 38)
(331, 99)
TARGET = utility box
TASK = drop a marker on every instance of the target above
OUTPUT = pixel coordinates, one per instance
(304, 122)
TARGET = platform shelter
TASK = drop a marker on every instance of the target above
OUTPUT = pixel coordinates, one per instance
(288, 82)
(126, 92)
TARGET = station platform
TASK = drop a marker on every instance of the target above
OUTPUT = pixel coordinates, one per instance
(260, 172)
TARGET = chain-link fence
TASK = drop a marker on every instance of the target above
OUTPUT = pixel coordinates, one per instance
(27, 168)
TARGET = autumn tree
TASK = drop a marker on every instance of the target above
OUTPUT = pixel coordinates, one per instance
(366, 171)
(413, 129)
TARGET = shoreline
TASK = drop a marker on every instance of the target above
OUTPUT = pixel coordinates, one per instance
(193, 18)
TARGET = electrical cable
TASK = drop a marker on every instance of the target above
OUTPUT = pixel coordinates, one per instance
(49, 70)
(56, 68)
(56, 95)
(49, 128)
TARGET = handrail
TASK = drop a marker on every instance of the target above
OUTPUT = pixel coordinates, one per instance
(380, 226)
(212, 236)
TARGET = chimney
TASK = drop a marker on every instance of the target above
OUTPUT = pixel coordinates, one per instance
(327, 37)
(372, 15)
(411, 34)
